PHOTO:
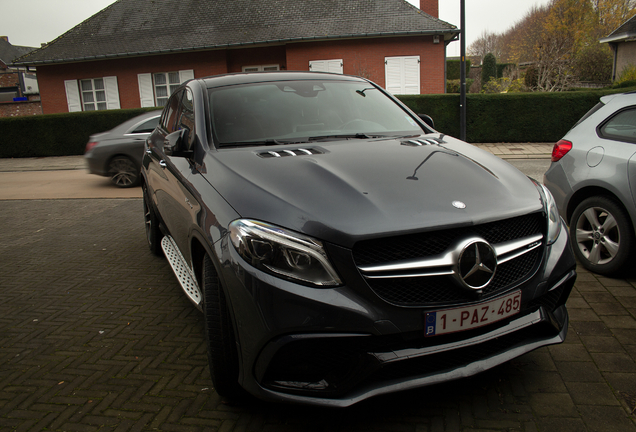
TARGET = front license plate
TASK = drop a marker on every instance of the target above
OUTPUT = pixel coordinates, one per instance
(469, 317)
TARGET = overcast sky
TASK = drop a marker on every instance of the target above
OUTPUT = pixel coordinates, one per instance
(33, 22)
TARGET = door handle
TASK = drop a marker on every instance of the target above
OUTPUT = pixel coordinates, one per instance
(163, 164)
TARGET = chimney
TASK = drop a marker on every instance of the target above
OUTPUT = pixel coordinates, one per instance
(5, 38)
(431, 7)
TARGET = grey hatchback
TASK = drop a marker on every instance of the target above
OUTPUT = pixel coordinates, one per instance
(592, 178)
(117, 152)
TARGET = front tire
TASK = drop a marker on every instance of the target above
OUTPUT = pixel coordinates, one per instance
(222, 350)
(151, 221)
(601, 235)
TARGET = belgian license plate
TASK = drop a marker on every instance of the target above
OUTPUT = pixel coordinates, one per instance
(469, 317)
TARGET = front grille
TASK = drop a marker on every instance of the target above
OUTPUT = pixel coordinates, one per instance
(434, 290)
(438, 290)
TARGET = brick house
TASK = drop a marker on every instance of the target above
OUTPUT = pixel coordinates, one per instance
(623, 43)
(132, 54)
(19, 94)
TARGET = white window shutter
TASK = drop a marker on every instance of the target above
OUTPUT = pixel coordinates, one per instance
(402, 75)
(411, 75)
(112, 93)
(73, 96)
(333, 66)
(185, 75)
(393, 74)
(317, 66)
(146, 93)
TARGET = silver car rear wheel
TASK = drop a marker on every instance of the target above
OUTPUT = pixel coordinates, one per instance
(601, 235)
(123, 172)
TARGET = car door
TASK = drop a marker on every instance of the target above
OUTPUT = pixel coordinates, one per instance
(170, 174)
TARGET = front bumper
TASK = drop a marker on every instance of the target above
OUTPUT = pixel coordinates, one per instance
(336, 347)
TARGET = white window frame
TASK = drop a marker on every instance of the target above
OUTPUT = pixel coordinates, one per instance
(402, 74)
(76, 96)
(148, 86)
(332, 66)
(261, 68)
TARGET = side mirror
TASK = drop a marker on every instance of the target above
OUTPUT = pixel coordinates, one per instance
(427, 119)
(176, 144)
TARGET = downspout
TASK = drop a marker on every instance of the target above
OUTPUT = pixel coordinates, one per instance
(614, 47)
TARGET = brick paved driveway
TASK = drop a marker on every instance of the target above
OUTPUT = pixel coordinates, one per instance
(95, 334)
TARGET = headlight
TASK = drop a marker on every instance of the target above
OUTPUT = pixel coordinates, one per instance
(283, 253)
(554, 220)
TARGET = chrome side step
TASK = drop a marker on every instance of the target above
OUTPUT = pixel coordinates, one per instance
(181, 270)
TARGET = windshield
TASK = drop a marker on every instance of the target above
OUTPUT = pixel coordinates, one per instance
(300, 111)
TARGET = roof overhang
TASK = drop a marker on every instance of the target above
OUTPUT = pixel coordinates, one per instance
(449, 35)
(622, 37)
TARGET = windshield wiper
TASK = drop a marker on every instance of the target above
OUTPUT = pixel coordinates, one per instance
(344, 136)
(267, 142)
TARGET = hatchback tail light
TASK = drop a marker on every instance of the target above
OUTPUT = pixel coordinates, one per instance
(560, 149)
(90, 146)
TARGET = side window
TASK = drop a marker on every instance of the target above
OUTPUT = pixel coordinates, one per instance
(170, 113)
(186, 116)
(621, 127)
(147, 127)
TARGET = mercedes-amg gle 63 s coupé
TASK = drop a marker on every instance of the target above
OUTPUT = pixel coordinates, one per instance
(339, 247)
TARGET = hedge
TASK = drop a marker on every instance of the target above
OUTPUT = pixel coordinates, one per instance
(453, 69)
(510, 117)
(57, 134)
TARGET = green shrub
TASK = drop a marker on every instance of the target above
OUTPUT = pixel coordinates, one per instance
(452, 86)
(627, 74)
(453, 69)
(57, 134)
(488, 69)
(501, 68)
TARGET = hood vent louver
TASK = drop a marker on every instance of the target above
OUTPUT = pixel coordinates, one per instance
(419, 142)
(291, 152)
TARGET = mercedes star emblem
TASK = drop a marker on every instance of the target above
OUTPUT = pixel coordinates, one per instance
(477, 264)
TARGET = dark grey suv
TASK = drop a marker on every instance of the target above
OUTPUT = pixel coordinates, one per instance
(339, 248)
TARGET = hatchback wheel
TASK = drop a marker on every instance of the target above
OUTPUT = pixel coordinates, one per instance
(601, 235)
(123, 172)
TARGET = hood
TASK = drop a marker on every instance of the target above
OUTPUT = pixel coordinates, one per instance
(346, 191)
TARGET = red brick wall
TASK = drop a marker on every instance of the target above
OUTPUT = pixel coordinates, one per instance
(366, 58)
(238, 58)
(431, 7)
(16, 109)
(11, 79)
(51, 78)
